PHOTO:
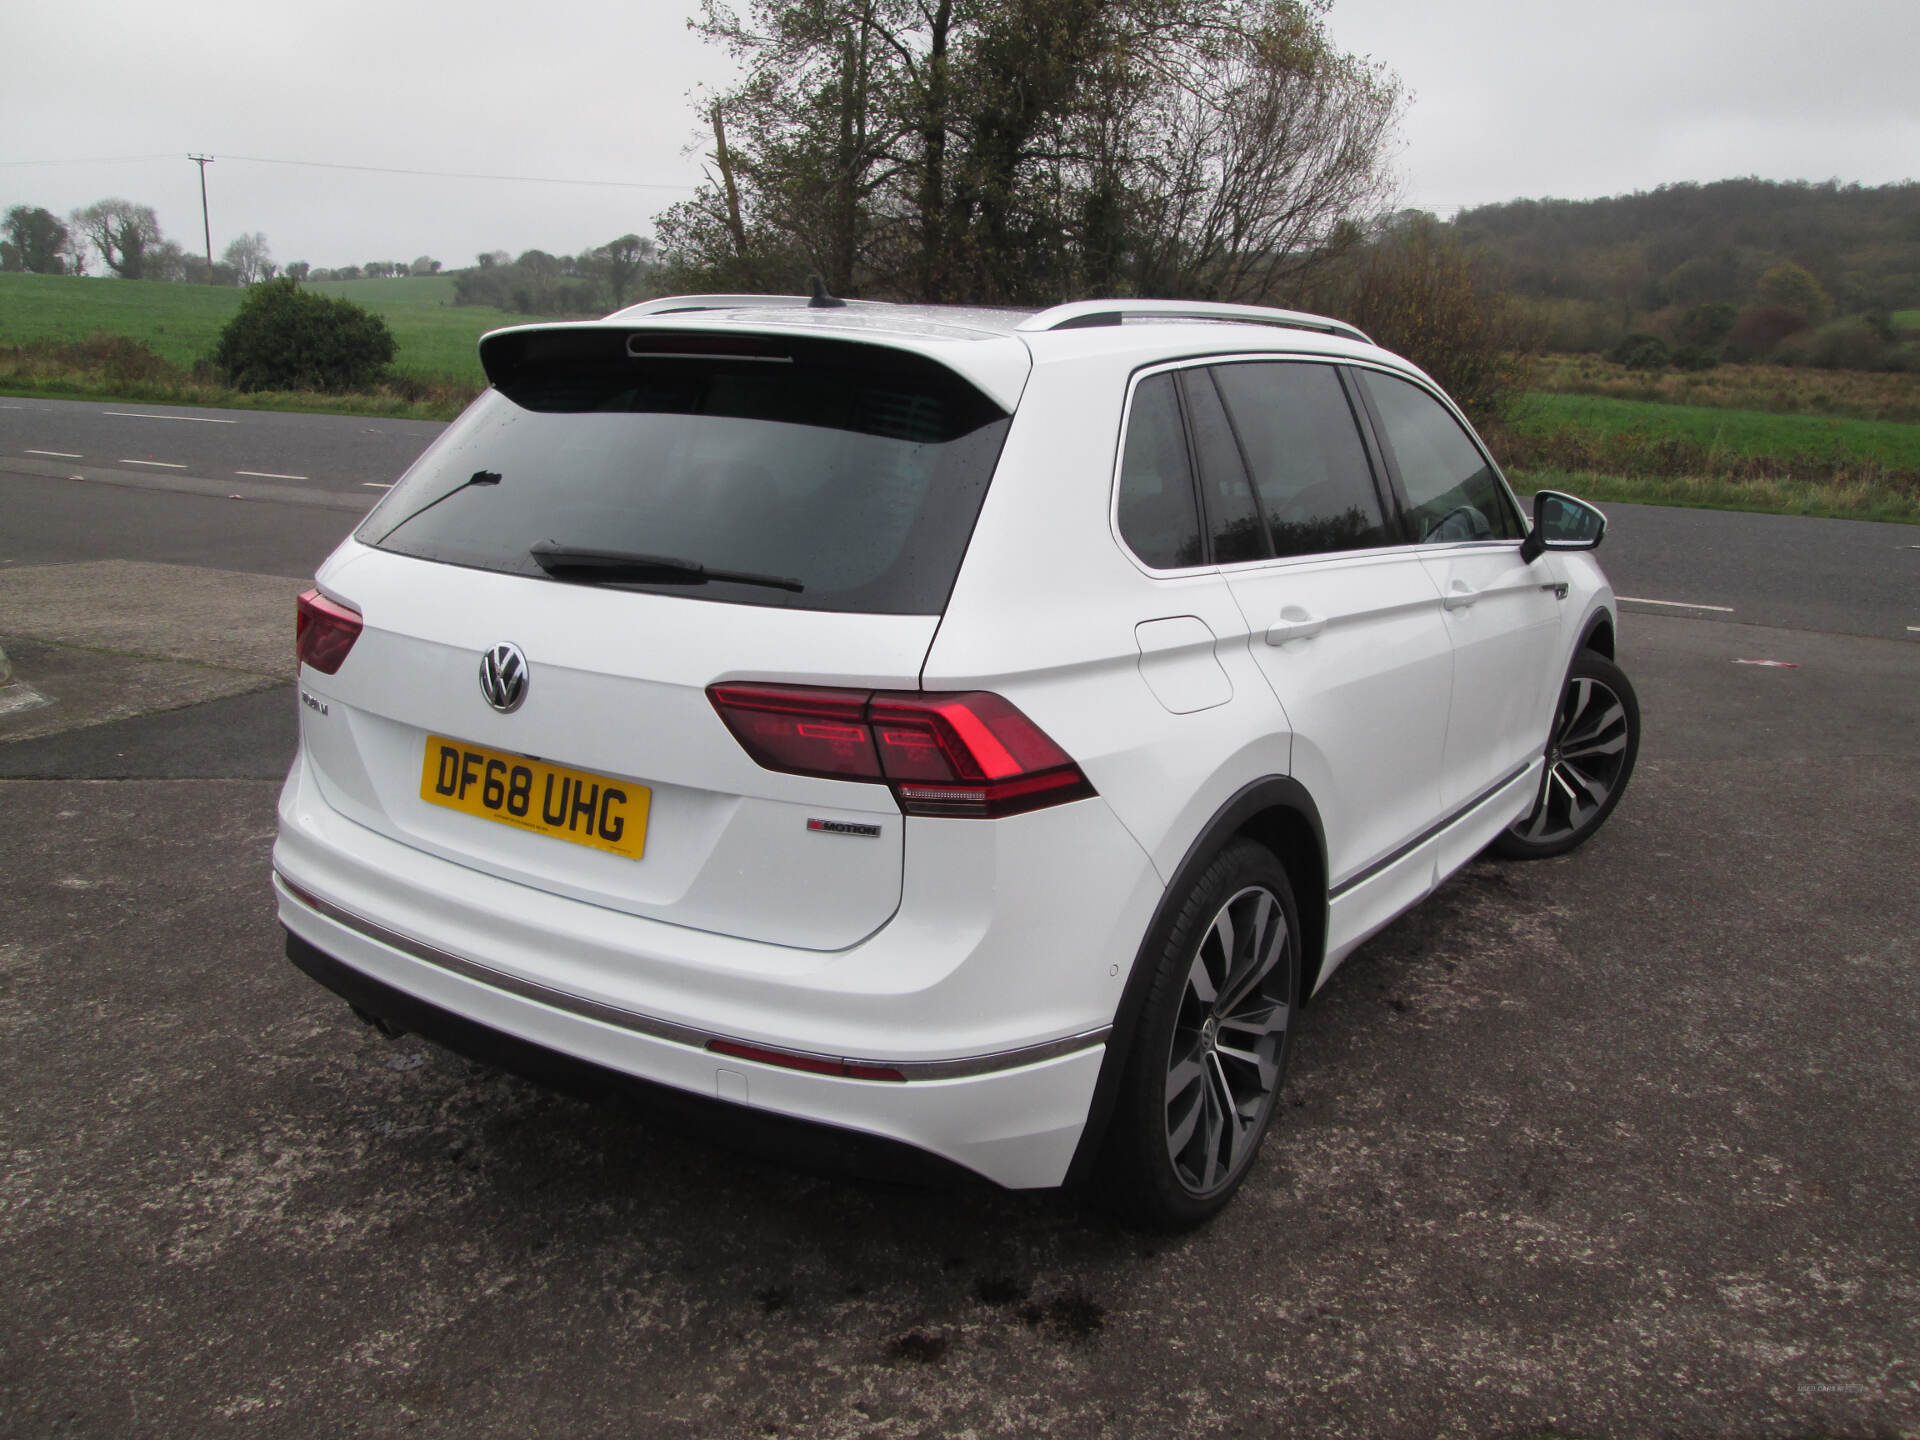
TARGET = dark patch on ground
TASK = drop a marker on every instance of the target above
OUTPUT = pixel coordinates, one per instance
(1074, 1315)
(243, 737)
(922, 1347)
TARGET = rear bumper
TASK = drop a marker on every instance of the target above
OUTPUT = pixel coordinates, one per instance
(760, 1132)
(997, 1024)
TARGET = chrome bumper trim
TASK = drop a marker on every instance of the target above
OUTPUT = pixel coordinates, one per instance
(669, 1030)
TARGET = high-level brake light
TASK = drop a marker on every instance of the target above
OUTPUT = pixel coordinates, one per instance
(324, 631)
(970, 754)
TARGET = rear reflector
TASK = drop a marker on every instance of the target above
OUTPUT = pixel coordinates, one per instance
(970, 755)
(324, 631)
(812, 1064)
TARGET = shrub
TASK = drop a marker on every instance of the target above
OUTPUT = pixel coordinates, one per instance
(1758, 333)
(1850, 344)
(286, 338)
(1419, 294)
(1641, 351)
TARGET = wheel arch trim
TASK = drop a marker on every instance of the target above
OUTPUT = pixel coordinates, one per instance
(1599, 633)
(1255, 810)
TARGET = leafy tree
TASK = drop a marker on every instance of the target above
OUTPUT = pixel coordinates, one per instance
(298, 270)
(286, 338)
(250, 259)
(1795, 287)
(1021, 151)
(1701, 333)
(35, 241)
(122, 232)
(424, 265)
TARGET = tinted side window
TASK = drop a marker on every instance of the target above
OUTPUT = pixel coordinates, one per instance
(1309, 465)
(1232, 519)
(1451, 489)
(1158, 519)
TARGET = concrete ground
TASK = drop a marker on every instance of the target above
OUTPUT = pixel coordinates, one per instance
(1624, 1144)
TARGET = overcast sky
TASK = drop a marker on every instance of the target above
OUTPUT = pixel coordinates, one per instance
(1509, 98)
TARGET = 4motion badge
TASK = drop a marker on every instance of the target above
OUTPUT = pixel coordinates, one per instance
(844, 827)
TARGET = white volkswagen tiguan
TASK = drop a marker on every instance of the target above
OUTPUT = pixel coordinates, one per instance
(978, 730)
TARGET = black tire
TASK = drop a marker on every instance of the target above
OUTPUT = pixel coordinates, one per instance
(1590, 755)
(1210, 1052)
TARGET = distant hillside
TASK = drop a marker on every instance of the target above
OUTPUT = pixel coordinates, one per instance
(1692, 244)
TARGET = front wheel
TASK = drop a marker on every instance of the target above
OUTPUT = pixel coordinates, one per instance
(1215, 1029)
(1590, 754)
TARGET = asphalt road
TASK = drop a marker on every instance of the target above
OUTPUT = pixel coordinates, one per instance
(1619, 1145)
(1839, 576)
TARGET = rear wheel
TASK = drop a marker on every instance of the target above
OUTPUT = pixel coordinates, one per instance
(1215, 1031)
(1590, 755)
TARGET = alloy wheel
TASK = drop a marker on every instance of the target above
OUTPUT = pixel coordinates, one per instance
(1223, 1066)
(1585, 761)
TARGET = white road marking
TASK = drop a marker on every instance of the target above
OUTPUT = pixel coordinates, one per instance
(140, 415)
(1770, 664)
(160, 464)
(60, 454)
(1676, 604)
(377, 485)
(268, 475)
(1914, 628)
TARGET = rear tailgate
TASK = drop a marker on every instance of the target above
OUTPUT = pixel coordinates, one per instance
(615, 687)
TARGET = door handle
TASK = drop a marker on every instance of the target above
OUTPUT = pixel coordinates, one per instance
(1459, 595)
(1294, 624)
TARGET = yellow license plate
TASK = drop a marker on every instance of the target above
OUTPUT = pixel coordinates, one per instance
(574, 805)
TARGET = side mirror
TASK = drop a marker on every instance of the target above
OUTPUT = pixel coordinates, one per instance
(1561, 522)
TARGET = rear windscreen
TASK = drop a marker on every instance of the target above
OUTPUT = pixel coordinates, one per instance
(852, 471)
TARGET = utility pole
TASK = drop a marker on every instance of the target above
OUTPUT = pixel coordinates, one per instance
(206, 228)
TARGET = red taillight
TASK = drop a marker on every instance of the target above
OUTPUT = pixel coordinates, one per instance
(324, 631)
(970, 754)
(800, 731)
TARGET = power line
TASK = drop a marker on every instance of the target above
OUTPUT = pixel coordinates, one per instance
(95, 160)
(378, 170)
(465, 174)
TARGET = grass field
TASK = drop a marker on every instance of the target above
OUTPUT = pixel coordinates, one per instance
(1733, 434)
(1636, 450)
(1906, 319)
(182, 323)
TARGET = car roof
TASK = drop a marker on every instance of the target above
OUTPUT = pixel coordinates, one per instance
(996, 348)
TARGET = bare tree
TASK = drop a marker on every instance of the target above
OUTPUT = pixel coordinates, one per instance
(121, 231)
(250, 259)
(1019, 151)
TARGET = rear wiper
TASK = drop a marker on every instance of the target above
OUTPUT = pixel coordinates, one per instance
(581, 562)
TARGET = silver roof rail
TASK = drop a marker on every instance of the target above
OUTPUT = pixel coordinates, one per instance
(679, 304)
(1085, 314)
